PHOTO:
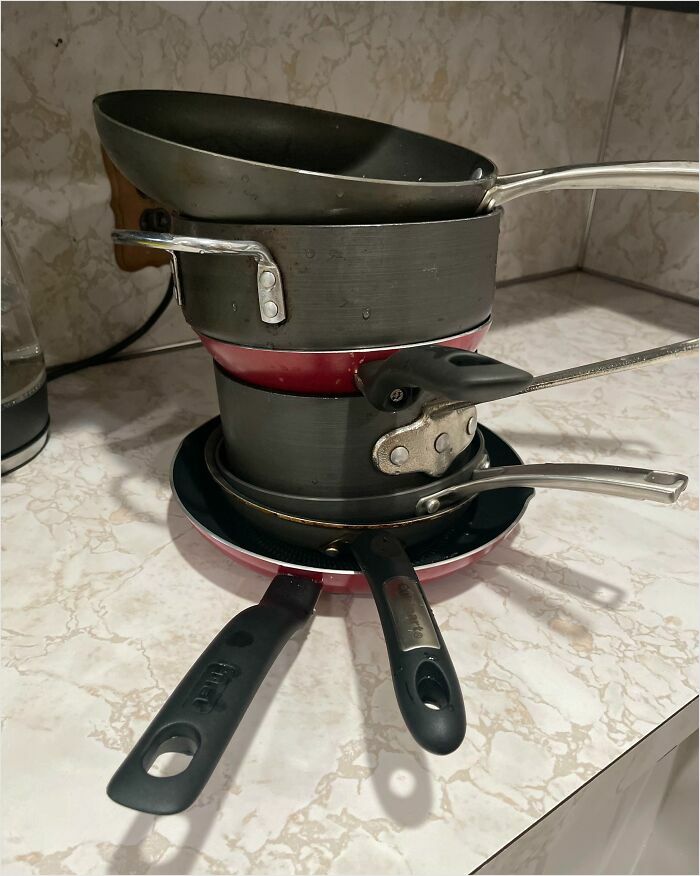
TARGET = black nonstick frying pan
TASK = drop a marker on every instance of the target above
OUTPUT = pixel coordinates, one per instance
(213, 156)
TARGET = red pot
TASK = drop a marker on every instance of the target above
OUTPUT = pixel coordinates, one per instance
(330, 372)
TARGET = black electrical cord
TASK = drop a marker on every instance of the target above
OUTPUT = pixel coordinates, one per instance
(107, 355)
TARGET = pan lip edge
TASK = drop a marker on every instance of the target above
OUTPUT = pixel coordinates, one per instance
(482, 326)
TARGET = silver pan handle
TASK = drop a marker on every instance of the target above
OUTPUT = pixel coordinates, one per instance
(628, 362)
(270, 289)
(669, 176)
(610, 480)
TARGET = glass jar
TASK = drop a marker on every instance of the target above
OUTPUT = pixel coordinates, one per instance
(25, 411)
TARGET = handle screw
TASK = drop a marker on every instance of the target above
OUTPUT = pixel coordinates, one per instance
(442, 442)
(399, 455)
(396, 396)
(267, 279)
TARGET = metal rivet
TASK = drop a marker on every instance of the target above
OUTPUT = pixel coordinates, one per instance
(442, 442)
(471, 425)
(267, 280)
(478, 173)
(399, 455)
(234, 306)
(432, 506)
(396, 395)
(366, 313)
(270, 308)
(332, 550)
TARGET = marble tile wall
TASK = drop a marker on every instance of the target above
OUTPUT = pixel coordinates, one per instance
(525, 83)
(652, 237)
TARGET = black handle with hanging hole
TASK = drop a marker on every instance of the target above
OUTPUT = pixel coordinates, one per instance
(447, 372)
(201, 715)
(426, 684)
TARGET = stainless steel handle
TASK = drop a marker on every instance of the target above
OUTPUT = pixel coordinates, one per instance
(417, 440)
(611, 366)
(610, 480)
(670, 176)
(270, 288)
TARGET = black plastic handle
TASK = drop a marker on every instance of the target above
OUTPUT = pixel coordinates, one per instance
(425, 681)
(204, 710)
(454, 374)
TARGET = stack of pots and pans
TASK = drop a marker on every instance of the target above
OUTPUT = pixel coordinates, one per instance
(341, 273)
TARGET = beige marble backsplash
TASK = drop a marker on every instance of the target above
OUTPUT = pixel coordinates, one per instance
(652, 237)
(525, 83)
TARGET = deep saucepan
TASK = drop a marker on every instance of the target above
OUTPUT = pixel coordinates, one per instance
(281, 304)
(414, 421)
(320, 445)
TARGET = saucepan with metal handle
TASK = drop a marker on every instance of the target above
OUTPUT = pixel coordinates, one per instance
(297, 307)
(414, 421)
(236, 159)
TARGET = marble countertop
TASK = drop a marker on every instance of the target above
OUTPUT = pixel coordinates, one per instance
(572, 640)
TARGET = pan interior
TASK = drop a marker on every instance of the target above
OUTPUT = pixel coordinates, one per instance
(292, 137)
(487, 516)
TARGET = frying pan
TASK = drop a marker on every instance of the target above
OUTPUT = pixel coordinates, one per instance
(213, 156)
(421, 669)
(201, 715)
(203, 712)
(489, 519)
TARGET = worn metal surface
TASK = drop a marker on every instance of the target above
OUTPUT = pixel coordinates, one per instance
(430, 444)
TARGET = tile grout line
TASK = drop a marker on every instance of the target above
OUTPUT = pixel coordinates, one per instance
(633, 284)
(605, 134)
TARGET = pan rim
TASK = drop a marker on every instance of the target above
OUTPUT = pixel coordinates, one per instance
(482, 326)
(314, 226)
